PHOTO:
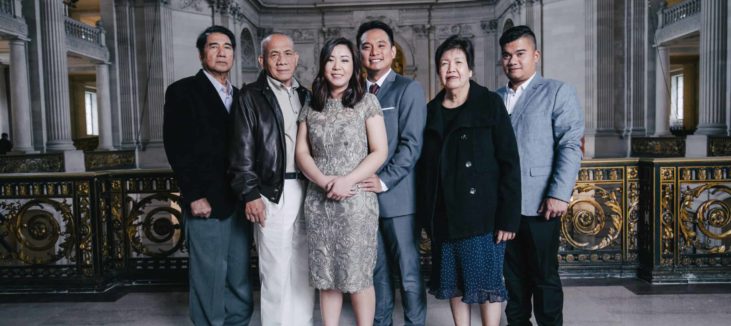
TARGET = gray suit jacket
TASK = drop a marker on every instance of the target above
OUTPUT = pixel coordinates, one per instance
(548, 124)
(404, 111)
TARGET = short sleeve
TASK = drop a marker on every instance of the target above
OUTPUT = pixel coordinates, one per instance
(371, 106)
(303, 113)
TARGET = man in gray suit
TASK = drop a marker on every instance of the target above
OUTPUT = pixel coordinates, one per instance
(404, 110)
(548, 124)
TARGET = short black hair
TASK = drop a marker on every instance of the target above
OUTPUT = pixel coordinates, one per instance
(516, 32)
(200, 43)
(5, 134)
(374, 24)
(456, 42)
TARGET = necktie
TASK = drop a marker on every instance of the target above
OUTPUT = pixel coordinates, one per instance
(374, 89)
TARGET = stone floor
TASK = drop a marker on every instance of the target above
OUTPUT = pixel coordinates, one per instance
(623, 303)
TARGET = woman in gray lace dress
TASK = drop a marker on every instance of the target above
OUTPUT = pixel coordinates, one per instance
(341, 141)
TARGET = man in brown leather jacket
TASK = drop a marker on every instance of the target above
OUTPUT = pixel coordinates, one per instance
(266, 179)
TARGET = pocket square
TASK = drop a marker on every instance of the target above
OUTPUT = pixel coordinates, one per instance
(388, 108)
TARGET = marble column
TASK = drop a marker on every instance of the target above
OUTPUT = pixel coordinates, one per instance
(20, 97)
(55, 62)
(662, 93)
(104, 105)
(713, 48)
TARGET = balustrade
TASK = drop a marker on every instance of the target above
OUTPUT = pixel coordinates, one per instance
(679, 12)
(664, 220)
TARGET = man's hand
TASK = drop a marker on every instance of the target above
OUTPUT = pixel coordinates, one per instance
(504, 236)
(552, 208)
(201, 208)
(256, 211)
(372, 184)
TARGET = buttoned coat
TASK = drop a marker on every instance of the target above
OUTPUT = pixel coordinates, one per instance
(475, 160)
(548, 124)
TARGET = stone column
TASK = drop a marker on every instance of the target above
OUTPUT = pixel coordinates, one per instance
(104, 105)
(713, 48)
(662, 94)
(55, 62)
(20, 97)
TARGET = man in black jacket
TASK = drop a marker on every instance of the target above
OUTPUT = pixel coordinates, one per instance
(195, 133)
(266, 179)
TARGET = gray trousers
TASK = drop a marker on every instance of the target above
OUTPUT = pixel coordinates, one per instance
(398, 251)
(220, 286)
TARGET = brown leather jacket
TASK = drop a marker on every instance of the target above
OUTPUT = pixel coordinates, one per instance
(257, 150)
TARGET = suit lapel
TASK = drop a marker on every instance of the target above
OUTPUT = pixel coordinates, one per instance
(386, 85)
(210, 92)
(522, 105)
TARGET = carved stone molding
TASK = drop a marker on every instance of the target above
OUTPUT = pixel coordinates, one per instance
(658, 147)
(489, 27)
(31, 163)
(422, 30)
(464, 30)
(719, 146)
(331, 32)
(304, 36)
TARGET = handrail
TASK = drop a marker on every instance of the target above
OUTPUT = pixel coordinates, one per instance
(7, 7)
(678, 12)
(83, 31)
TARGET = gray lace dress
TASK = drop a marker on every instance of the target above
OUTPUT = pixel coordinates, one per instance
(341, 235)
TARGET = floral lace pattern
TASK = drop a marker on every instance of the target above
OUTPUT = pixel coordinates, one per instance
(341, 235)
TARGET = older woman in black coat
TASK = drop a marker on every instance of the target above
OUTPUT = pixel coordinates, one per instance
(470, 187)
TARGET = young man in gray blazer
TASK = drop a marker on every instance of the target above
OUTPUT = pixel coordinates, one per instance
(404, 111)
(548, 124)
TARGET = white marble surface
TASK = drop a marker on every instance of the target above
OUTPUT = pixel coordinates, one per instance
(584, 305)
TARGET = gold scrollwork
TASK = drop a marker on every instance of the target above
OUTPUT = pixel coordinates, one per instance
(712, 213)
(633, 216)
(159, 226)
(37, 232)
(588, 218)
(666, 221)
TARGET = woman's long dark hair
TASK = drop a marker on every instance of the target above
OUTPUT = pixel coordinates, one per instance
(320, 87)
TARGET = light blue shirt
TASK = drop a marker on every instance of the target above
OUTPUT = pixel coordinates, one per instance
(226, 92)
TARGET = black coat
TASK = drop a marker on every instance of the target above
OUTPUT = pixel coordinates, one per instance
(476, 162)
(196, 129)
(258, 150)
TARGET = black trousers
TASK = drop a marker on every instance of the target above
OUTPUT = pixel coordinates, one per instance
(531, 272)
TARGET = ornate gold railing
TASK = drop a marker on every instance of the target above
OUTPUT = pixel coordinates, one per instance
(665, 220)
(686, 231)
(599, 230)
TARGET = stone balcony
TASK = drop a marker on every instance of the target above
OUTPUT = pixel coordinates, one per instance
(11, 19)
(678, 21)
(85, 40)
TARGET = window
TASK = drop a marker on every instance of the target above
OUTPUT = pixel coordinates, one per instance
(92, 122)
(676, 100)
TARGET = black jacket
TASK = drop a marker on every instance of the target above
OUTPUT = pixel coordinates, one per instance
(257, 152)
(195, 134)
(476, 162)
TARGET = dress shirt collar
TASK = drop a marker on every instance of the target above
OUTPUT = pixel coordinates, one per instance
(279, 86)
(220, 88)
(379, 81)
(522, 87)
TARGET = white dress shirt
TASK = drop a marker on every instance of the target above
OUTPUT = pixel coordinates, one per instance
(514, 95)
(226, 92)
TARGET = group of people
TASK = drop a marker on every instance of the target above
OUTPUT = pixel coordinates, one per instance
(334, 184)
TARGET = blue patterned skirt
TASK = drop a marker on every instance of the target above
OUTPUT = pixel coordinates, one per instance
(470, 268)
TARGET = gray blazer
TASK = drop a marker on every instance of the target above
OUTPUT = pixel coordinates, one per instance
(548, 124)
(404, 111)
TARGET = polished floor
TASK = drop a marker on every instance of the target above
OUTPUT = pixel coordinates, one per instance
(623, 303)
